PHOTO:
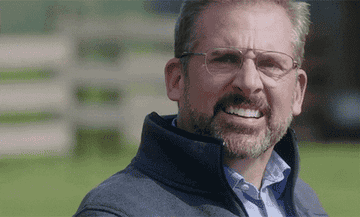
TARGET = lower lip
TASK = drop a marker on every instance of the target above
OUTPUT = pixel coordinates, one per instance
(243, 121)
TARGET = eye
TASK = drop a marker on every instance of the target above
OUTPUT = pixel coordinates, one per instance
(227, 58)
(269, 63)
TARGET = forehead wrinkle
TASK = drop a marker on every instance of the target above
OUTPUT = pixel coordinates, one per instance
(253, 41)
(236, 40)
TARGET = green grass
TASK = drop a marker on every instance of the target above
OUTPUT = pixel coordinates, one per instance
(54, 186)
(333, 171)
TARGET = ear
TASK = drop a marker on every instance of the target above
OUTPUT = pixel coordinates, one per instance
(299, 92)
(174, 79)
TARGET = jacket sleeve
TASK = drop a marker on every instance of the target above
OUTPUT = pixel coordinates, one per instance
(306, 200)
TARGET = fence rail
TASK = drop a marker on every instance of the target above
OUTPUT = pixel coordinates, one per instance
(41, 90)
(28, 91)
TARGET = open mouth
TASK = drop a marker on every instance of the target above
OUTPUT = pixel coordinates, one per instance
(244, 113)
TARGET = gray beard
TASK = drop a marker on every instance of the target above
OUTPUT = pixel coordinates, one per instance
(239, 142)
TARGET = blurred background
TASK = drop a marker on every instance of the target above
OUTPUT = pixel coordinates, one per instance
(77, 79)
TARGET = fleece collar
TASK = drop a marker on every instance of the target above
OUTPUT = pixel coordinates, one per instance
(188, 161)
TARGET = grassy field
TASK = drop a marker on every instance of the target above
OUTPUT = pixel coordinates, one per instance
(49, 186)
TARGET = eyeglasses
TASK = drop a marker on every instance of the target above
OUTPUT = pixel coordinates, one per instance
(224, 61)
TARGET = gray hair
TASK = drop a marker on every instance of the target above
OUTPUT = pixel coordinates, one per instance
(185, 40)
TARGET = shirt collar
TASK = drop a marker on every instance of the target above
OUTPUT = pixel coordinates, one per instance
(232, 177)
(174, 122)
(274, 171)
(275, 176)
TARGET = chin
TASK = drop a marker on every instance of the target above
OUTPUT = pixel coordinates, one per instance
(243, 143)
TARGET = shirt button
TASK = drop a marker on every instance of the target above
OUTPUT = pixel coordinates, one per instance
(244, 187)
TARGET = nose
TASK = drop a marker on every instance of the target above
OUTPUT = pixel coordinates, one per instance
(248, 79)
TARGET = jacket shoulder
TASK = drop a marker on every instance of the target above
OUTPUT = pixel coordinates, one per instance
(306, 200)
(131, 193)
(111, 196)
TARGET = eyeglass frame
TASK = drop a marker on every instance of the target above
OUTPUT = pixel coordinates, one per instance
(294, 65)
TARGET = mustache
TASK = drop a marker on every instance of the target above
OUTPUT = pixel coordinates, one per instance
(239, 100)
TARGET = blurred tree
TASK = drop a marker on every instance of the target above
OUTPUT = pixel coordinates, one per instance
(102, 142)
(163, 6)
(351, 30)
(52, 14)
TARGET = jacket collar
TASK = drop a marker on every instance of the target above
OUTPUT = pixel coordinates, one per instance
(166, 152)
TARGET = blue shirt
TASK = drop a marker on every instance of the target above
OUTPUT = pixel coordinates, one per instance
(265, 201)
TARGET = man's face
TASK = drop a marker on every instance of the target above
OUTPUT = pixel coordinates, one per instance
(207, 102)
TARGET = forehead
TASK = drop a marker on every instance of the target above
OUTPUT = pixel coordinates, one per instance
(257, 26)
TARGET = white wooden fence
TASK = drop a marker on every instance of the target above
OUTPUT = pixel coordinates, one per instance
(56, 95)
(18, 52)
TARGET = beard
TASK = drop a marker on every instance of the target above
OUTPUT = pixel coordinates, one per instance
(244, 143)
(239, 142)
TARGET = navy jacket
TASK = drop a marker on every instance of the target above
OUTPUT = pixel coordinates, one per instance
(177, 173)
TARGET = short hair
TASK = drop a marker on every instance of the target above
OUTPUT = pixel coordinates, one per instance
(185, 39)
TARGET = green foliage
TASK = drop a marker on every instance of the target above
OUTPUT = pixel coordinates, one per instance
(25, 75)
(41, 16)
(26, 117)
(90, 95)
(105, 142)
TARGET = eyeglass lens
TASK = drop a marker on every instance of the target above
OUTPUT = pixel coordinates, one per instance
(227, 60)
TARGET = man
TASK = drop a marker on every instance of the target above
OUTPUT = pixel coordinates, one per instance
(229, 152)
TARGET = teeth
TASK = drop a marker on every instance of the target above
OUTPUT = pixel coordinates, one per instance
(244, 112)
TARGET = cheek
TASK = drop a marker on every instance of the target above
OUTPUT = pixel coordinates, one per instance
(281, 101)
(280, 95)
(204, 94)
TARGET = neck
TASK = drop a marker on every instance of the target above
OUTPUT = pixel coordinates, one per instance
(252, 169)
